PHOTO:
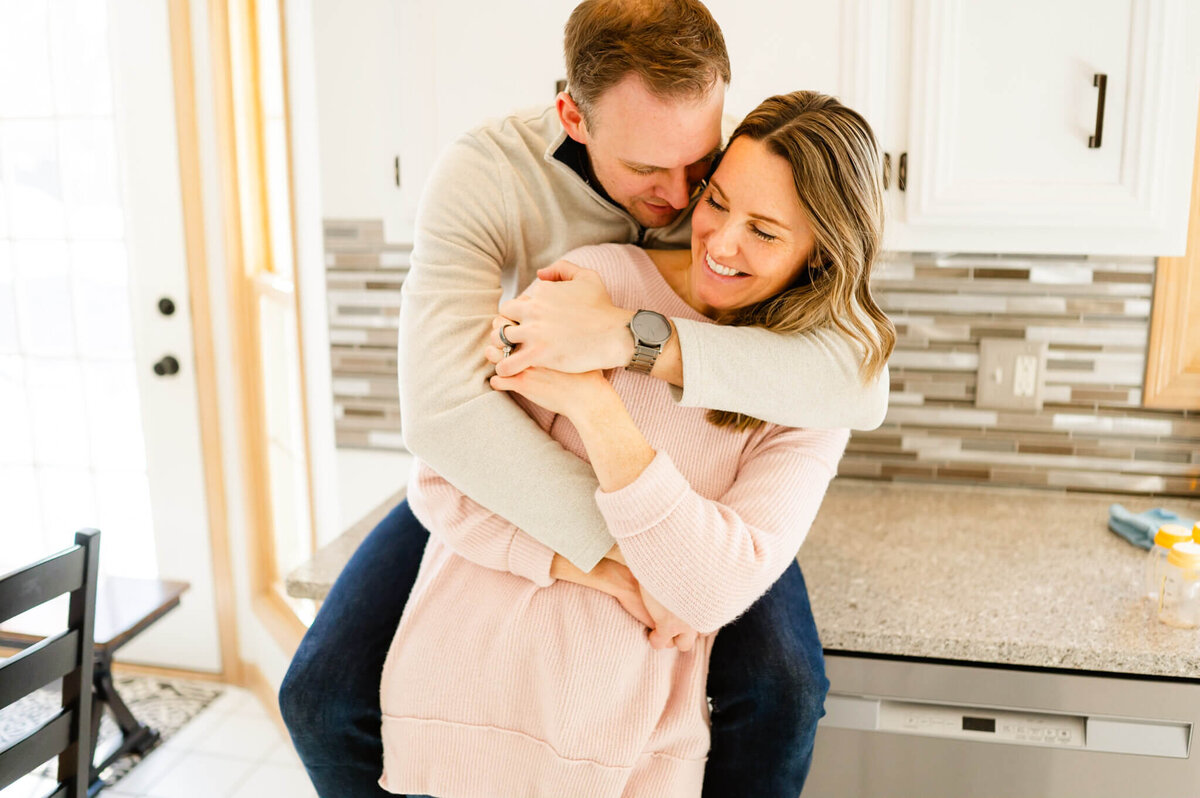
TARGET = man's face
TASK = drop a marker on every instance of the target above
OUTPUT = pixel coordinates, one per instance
(650, 153)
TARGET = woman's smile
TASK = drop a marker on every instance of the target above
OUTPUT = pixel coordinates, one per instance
(720, 270)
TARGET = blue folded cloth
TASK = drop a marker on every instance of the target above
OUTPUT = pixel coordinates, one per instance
(1139, 528)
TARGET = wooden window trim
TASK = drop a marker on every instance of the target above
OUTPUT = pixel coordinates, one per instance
(1173, 355)
(191, 184)
(248, 265)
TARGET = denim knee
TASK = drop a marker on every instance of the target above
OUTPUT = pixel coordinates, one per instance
(305, 703)
(295, 702)
(802, 679)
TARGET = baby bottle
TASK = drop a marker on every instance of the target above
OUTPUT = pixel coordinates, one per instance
(1168, 535)
(1179, 600)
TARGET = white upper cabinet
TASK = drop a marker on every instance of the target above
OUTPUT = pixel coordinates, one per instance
(1031, 126)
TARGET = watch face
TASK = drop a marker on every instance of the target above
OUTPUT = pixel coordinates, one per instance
(651, 328)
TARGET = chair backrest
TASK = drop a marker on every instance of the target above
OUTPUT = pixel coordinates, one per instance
(67, 656)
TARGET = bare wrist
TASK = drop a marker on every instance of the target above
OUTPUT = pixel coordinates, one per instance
(621, 344)
(594, 417)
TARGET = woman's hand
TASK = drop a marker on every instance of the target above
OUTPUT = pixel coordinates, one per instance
(565, 321)
(570, 395)
(667, 630)
(608, 577)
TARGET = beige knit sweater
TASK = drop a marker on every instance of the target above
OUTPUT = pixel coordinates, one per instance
(498, 207)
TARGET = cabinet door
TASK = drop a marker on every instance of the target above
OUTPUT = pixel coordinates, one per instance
(1003, 102)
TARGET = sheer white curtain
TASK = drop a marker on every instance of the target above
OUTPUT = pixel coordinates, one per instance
(72, 452)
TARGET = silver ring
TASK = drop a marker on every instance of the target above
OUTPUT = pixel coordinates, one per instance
(504, 338)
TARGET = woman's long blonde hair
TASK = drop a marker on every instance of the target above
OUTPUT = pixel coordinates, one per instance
(835, 167)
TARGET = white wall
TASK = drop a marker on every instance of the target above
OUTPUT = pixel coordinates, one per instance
(310, 266)
(409, 77)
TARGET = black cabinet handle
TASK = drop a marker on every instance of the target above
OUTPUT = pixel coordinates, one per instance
(167, 366)
(902, 177)
(166, 306)
(1101, 81)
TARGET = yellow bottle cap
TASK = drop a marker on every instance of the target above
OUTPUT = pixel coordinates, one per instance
(1170, 534)
(1185, 555)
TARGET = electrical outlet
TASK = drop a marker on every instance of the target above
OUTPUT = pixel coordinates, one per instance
(1011, 374)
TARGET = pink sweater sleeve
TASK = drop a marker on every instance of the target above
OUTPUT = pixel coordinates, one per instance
(474, 532)
(709, 560)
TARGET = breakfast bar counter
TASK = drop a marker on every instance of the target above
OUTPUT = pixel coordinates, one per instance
(992, 575)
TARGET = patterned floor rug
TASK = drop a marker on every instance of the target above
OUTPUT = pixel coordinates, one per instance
(162, 704)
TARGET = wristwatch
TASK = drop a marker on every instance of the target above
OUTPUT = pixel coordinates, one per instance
(650, 331)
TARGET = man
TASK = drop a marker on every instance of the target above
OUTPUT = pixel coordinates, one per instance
(617, 159)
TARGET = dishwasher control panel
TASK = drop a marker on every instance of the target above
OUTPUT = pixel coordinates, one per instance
(1010, 725)
(974, 724)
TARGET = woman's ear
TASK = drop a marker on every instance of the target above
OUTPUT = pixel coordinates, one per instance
(571, 117)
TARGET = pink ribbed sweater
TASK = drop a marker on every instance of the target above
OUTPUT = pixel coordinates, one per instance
(502, 682)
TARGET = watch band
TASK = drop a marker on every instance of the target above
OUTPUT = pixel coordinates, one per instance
(644, 357)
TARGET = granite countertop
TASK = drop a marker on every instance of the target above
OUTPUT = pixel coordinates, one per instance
(313, 579)
(978, 574)
(995, 575)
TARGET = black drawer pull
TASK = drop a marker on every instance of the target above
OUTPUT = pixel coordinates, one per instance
(1101, 81)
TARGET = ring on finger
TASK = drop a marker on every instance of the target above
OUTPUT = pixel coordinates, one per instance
(508, 345)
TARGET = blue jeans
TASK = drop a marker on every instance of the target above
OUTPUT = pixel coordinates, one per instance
(766, 678)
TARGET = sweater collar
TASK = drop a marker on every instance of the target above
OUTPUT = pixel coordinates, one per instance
(573, 155)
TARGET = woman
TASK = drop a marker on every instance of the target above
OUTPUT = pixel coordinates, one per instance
(511, 673)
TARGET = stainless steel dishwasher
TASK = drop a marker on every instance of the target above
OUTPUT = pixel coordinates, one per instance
(920, 729)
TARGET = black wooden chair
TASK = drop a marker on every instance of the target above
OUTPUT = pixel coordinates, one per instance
(67, 655)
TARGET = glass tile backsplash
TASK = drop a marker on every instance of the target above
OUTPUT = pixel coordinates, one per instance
(1093, 313)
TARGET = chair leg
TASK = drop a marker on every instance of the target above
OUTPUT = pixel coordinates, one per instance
(136, 737)
(97, 714)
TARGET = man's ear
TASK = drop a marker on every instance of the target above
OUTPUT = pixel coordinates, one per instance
(571, 117)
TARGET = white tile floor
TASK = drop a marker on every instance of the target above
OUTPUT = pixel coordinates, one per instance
(232, 749)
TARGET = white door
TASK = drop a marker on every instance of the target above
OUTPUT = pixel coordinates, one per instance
(1002, 147)
(91, 239)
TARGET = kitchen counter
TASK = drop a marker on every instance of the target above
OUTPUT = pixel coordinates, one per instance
(978, 574)
(995, 575)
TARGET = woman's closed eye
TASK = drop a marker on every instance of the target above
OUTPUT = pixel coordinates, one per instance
(753, 228)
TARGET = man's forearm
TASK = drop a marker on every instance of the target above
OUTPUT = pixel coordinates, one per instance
(527, 478)
(808, 380)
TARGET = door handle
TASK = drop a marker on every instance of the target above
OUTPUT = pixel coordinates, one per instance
(1100, 80)
(167, 366)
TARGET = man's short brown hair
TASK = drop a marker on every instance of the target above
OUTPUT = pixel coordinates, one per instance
(674, 46)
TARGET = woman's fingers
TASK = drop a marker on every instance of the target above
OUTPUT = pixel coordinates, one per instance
(659, 640)
(514, 364)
